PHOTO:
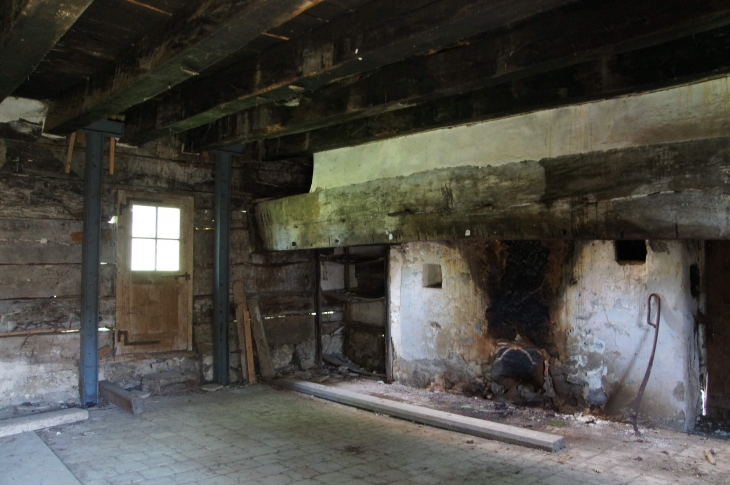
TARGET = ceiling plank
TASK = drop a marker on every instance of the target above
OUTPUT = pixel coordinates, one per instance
(550, 41)
(701, 56)
(382, 32)
(29, 33)
(193, 40)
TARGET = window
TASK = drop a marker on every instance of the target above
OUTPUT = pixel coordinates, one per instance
(432, 276)
(155, 238)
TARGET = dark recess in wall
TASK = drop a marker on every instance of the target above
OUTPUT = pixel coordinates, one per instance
(630, 252)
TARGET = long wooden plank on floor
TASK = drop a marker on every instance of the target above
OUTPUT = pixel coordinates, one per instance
(43, 420)
(116, 395)
(431, 417)
(259, 335)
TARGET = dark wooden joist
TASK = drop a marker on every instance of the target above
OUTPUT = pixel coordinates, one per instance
(382, 32)
(614, 194)
(700, 56)
(550, 41)
(192, 41)
(29, 29)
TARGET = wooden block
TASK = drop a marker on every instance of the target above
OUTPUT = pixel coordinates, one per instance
(431, 417)
(112, 147)
(262, 346)
(70, 151)
(116, 395)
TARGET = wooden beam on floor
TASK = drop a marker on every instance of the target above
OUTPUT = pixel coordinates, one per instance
(613, 194)
(550, 41)
(29, 32)
(120, 397)
(701, 56)
(438, 419)
(380, 33)
(192, 41)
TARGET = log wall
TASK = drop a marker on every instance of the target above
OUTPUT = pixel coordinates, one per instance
(40, 260)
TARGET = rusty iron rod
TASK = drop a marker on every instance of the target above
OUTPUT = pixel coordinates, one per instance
(637, 402)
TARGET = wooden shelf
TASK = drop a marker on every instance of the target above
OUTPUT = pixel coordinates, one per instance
(351, 296)
(365, 327)
(353, 259)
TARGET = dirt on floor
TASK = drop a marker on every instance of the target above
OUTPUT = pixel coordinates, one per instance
(683, 455)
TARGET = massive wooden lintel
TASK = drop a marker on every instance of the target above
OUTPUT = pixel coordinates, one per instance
(547, 42)
(193, 40)
(382, 32)
(668, 191)
(29, 29)
(701, 56)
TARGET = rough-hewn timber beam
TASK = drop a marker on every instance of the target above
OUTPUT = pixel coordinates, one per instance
(697, 57)
(382, 32)
(193, 40)
(668, 191)
(28, 31)
(553, 40)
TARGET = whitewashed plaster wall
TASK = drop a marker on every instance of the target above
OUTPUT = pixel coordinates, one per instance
(435, 330)
(683, 113)
(608, 342)
(604, 340)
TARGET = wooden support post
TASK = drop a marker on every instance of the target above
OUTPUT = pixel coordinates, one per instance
(262, 345)
(243, 326)
(318, 302)
(70, 151)
(112, 146)
(388, 338)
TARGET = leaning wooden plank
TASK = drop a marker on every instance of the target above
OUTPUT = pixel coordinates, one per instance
(116, 395)
(193, 40)
(439, 419)
(558, 39)
(30, 34)
(239, 298)
(40, 421)
(382, 32)
(262, 345)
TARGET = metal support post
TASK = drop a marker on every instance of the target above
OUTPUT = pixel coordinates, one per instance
(89, 356)
(221, 290)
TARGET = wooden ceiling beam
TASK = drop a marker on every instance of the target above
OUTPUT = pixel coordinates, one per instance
(553, 40)
(382, 32)
(701, 56)
(193, 40)
(29, 29)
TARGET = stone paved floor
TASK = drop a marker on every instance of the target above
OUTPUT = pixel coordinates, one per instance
(259, 435)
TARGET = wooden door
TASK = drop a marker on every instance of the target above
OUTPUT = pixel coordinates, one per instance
(717, 286)
(154, 273)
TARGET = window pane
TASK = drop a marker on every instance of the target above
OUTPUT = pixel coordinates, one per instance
(144, 220)
(168, 223)
(168, 255)
(143, 254)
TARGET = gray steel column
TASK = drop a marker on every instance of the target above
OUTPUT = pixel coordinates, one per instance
(89, 362)
(89, 356)
(221, 289)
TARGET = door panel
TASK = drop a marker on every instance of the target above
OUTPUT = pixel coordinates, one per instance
(154, 308)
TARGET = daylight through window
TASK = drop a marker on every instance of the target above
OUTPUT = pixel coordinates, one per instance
(155, 238)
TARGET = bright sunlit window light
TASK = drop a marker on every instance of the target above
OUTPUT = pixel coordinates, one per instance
(155, 238)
